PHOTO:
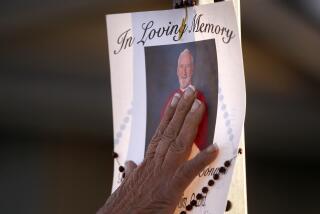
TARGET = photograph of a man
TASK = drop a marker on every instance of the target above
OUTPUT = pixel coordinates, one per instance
(170, 70)
(185, 69)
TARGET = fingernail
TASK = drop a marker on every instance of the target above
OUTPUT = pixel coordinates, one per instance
(212, 148)
(189, 91)
(195, 105)
(175, 99)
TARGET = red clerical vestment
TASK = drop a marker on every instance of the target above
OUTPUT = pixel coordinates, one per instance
(202, 136)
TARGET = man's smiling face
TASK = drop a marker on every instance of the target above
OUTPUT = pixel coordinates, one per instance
(185, 69)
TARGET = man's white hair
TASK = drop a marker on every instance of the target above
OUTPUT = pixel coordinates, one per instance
(185, 51)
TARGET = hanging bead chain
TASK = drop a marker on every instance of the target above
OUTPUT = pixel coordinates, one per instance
(222, 170)
(121, 168)
(193, 203)
(185, 3)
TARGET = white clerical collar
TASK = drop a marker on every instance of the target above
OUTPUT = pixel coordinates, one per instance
(182, 90)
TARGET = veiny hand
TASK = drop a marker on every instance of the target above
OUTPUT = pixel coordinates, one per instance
(157, 185)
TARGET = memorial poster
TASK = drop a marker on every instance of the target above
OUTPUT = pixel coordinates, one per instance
(151, 60)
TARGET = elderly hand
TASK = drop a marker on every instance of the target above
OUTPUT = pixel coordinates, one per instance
(157, 185)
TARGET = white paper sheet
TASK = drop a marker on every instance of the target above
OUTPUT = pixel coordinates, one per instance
(130, 37)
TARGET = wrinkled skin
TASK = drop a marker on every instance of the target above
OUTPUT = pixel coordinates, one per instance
(157, 184)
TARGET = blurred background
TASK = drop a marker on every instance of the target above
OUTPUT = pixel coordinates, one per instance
(56, 117)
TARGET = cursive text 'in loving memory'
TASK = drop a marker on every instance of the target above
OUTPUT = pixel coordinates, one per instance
(150, 31)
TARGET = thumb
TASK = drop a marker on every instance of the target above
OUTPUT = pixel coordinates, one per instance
(190, 169)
